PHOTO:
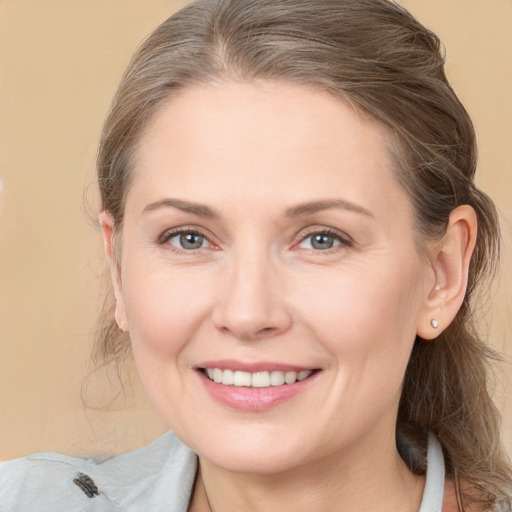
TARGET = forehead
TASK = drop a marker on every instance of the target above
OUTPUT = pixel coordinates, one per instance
(272, 140)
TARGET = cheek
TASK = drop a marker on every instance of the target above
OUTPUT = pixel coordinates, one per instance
(367, 317)
(367, 324)
(164, 309)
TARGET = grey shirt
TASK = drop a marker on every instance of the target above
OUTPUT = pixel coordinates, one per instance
(158, 477)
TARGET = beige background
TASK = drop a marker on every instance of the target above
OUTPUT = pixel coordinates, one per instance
(59, 64)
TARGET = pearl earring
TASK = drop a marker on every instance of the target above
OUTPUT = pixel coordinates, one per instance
(434, 323)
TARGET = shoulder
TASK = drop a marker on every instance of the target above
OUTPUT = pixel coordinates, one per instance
(43, 481)
(161, 472)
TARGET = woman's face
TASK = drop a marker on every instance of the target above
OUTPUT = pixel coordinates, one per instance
(265, 240)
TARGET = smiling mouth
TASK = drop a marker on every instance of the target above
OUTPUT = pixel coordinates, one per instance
(255, 379)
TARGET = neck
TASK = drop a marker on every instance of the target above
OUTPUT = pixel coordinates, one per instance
(342, 482)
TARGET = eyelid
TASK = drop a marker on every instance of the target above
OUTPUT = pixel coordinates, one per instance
(345, 240)
(171, 233)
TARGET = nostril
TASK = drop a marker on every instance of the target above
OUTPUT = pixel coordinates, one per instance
(257, 334)
(267, 330)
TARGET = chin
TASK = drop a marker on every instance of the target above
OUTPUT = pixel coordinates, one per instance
(252, 453)
(256, 461)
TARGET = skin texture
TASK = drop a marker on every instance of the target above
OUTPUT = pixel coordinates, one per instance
(257, 291)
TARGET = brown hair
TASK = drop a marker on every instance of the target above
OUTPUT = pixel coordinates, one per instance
(374, 54)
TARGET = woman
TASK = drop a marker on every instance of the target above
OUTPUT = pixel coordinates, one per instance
(290, 218)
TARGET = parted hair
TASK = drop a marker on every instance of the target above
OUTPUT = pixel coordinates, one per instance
(375, 55)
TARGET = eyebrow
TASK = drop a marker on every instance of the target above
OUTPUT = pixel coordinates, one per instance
(186, 206)
(318, 206)
(300, 210)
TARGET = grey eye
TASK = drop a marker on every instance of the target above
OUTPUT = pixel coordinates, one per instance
(320, 241)
(188, 241)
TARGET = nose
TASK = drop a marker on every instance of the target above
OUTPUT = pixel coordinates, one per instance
(251, 304)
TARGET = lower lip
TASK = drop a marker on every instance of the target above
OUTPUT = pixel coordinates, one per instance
(254, 399)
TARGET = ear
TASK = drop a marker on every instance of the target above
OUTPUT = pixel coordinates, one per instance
(450, 262)
(108, 231)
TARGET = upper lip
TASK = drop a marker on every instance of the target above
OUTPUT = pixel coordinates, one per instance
(253, 367)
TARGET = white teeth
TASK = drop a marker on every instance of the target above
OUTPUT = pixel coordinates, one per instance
(277, 378)
(260, 380)
(257, 379)
(227, 377)
(290, 377)
(242, 379)
(303, 375)
(217, 375)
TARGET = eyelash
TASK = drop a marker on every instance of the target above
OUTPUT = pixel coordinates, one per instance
(169, 235)
(344, 240)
